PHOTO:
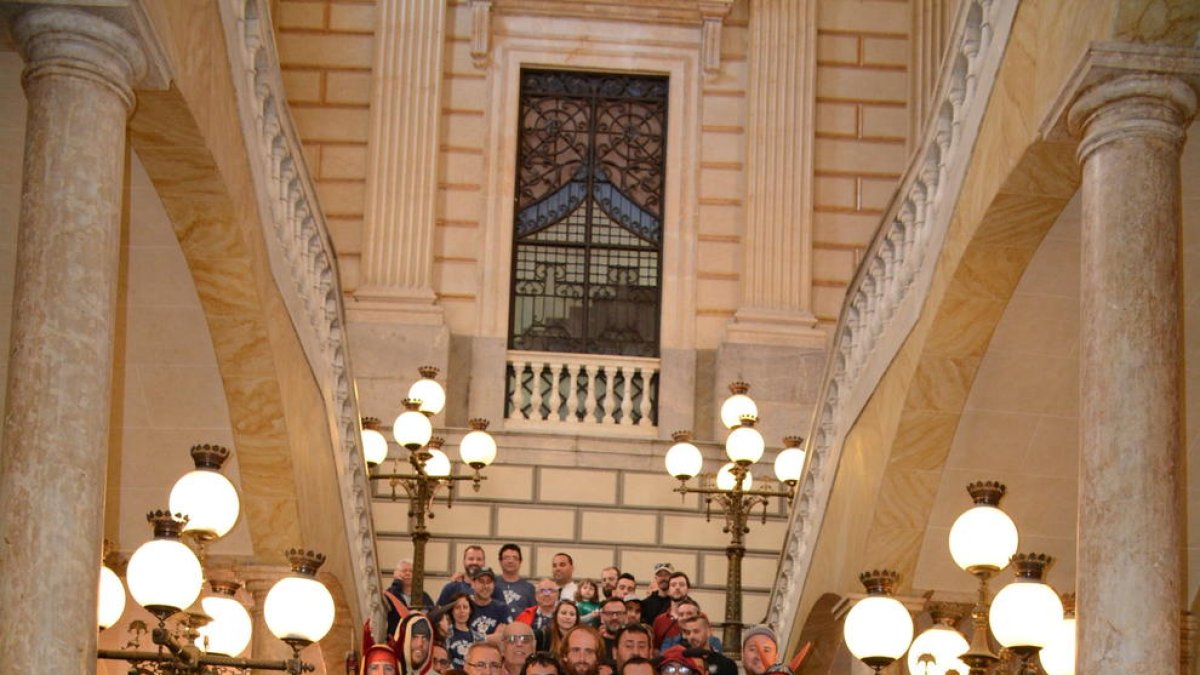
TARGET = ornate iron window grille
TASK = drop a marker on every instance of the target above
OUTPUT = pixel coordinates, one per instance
(587, 253)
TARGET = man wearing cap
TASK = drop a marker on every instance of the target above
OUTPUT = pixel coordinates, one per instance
(760, 650)
(633, 610)
(379, 659)
(487, 613)
(473, 559)
(657, 601)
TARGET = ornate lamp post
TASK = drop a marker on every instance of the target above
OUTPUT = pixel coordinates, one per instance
(429, 468)
(166, 576)
(732, 489)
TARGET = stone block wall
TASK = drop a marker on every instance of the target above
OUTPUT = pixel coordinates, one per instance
(603, 501)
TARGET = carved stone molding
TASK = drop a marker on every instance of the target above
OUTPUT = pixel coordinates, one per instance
(884, 300)
(304, 265)
(708, 14)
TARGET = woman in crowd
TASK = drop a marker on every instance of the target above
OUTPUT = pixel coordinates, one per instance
(460, 636)
(566, 615)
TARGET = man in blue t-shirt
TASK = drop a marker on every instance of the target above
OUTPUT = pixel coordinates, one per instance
(460, 582)
(514, 591)
(487, 613)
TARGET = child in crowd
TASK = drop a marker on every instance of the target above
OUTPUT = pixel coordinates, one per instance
(587, 599)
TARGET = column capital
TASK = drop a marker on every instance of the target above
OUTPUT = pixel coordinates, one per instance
(1120, 89)
(110, 50)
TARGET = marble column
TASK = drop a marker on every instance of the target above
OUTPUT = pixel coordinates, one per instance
(406, 108)
(776, 305)
(1132, 520)
(78, 78)
(258, 580)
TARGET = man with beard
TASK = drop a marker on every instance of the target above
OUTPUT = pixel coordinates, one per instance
(517, 645)
(473, 559)
(612, 620)
(580, 650)
(657, 601)
(666, 625)
(760, 650)
(511, 588)
(608, 581)
(697, 633)
(632, 642)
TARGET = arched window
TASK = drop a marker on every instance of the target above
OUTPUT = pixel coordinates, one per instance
(588, 230)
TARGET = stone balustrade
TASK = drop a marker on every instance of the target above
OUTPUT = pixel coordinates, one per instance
(577, 392)
(304, 265)
(884, 300)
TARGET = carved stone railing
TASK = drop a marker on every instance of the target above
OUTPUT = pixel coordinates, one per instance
(304, 266)
(885, 298)
(578, 393)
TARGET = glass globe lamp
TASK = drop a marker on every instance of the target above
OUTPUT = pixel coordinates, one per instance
(933, 651)
(111, 602)
(744, 444)
(1058, 656)
(228, 633)
(477, 449)
(789, 463)
(684, 460)
(205, 495)
(1027, 612)
(427, 390)
(878, 629)
(412, 428)
(299, 609)
(737, 406)
(438, 464)
(727, 479)
(375, 446)
(984, 538)
(164, 575)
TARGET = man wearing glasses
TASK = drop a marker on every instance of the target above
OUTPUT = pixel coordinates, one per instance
(517, 646)
(612, 620)
(483, 658)
(440, 660)
(542, 613)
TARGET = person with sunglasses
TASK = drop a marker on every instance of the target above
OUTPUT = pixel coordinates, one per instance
(517, 643)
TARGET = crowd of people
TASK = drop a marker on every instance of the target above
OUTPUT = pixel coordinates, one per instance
(485, 623)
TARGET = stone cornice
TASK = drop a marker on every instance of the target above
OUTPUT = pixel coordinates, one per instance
(885, 298)
(304, 266)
